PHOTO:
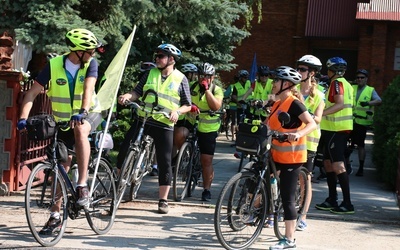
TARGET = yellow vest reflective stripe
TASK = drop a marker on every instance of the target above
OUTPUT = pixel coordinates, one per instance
(286, 153)
(167, 91)
(343, 119)
(207, 123)
(59, 91)
(365, 96)
(312, 105)
(241, 91)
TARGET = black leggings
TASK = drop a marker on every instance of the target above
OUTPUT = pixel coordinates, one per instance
(288, 183)
(163, 139)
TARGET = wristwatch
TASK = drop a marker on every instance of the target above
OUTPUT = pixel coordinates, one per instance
(83, 111)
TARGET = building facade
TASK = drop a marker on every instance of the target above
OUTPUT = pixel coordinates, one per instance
(366, 33)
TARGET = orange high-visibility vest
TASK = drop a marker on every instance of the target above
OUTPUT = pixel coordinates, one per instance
(286, 152)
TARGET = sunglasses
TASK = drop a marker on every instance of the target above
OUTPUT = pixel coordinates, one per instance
(90, 52)
(302, 69)
(263, 75)
(360, 77)
(160, 56)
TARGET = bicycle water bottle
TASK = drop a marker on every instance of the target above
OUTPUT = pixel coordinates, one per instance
(74, 174)
(274, 187)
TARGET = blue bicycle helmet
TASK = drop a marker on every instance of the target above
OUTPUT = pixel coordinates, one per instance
(337, 65)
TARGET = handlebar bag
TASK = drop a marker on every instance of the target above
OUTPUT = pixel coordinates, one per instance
(252, 139)
(41, 127)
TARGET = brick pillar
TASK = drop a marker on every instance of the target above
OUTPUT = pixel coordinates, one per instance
(10, 88)
(6, 50)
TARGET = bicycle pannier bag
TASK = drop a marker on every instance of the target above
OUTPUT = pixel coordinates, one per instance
(41, 127)
(252, 138)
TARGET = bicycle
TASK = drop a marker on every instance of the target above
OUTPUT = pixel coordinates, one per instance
(188, 170)
(248, 197)
(49, 184)
(137, 163)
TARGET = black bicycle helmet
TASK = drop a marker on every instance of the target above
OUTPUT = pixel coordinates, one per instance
(263, 70)
(363, 71)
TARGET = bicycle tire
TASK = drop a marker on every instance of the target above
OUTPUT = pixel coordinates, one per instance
(38, 203)
(232, 218)
(300, 196)
(183, 172)
(100, 213)
(196, 172)
(140, 169)
(124, 176)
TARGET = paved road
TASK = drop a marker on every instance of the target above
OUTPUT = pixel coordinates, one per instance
(189, 225)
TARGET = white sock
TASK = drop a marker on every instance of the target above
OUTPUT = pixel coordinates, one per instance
(55, 215)
(155, 166)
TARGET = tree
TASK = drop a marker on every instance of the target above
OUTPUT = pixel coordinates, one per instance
(203, 29)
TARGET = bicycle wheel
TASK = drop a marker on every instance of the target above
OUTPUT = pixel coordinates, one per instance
(140, 169)
(236, 224)
(196, 172)
(39, 203)
(183, 172)
(100, 214)
(301, 191)
(124, 176)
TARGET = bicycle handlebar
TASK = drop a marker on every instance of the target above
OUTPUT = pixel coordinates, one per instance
(153, 111)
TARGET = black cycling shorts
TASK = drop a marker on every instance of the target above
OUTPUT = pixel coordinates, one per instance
(358, 135)
(334, 145)
(207, 142)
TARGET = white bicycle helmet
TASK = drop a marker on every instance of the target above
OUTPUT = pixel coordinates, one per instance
(287, 73)
(311, 61)
(189, 68)
(207, 69)
(170, 49)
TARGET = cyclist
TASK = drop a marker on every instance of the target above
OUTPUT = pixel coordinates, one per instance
(239, 89)
(70, 81)
(174, 97)
(182, 127)
(308, 66)
(207, 96)
(289, 156)
(336, 125)
(261, 89)
(365, 98)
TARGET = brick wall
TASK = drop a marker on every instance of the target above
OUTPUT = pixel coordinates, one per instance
(6, 50)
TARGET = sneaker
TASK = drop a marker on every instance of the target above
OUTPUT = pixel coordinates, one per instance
(206, 195)
(301, 226)
(284, 244)
(83, 194)
(52, 226)
(154, 172)
(163, 207)
(237, 155)
(360, 173)
(343, 209)
(269, 223)
(327, 205)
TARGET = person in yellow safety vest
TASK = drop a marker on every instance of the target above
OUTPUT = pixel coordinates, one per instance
(182, 127)
(365, 98)
(70, 82)
(172, 88)
(291, 155)
(205, 97)
(336, 125)
(239, 89)
(260, 90)
(309, 66)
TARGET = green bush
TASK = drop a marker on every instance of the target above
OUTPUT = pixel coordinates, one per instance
(387, 134)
